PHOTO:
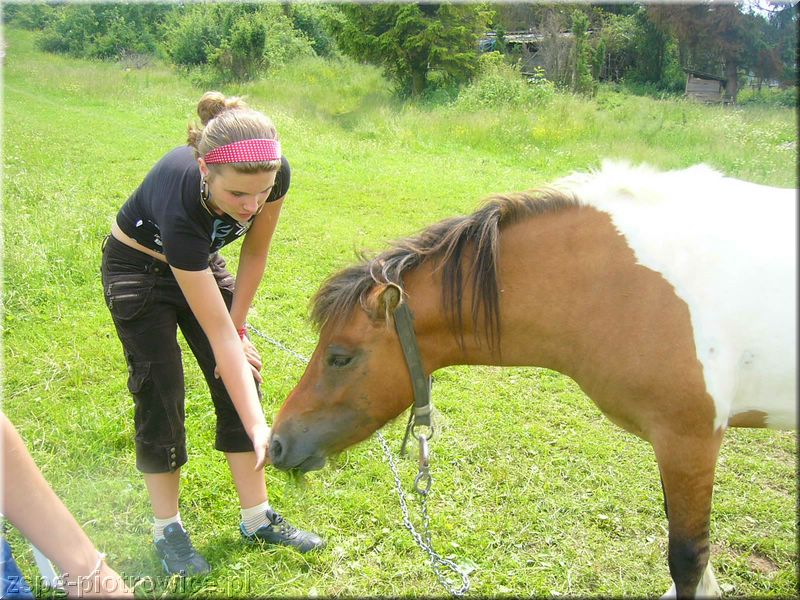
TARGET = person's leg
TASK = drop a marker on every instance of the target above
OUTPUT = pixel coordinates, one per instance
(13, 585)
(138, 296)
(158, 389)
(140, 293)
(250, 484)
(163, 490)
(259, 520)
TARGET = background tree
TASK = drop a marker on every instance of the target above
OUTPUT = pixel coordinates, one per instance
(555, 51)
(716, 38)
(35, 15)
(650, 47)
(583, 55)
(416, 44)
(520, 16)
(783, 26)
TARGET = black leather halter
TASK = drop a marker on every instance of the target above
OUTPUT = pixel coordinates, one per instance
(420, 415)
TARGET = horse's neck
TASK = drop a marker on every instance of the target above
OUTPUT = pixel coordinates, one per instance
(552, 272)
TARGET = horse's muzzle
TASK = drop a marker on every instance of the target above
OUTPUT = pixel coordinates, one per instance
(287, 457)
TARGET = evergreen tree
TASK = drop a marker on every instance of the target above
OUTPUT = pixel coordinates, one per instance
(414, 41)
(582, 81)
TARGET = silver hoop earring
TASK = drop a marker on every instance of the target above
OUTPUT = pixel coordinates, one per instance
(205, 194)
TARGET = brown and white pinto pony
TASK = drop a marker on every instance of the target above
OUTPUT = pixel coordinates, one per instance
(669, 297)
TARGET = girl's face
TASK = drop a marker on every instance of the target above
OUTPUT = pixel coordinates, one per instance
(239, 195)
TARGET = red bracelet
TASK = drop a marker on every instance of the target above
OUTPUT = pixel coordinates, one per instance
(242, 332)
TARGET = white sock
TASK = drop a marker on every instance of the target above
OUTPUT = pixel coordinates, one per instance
(255, 517)
(160, 524)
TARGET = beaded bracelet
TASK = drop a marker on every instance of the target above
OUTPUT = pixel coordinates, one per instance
(242, 332)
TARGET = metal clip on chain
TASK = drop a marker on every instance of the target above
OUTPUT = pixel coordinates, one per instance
(423, 480)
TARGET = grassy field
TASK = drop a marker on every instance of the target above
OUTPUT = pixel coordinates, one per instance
(533, 487)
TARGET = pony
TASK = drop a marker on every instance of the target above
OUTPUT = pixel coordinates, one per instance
(669, 297)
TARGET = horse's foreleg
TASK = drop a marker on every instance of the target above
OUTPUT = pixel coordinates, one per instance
(687, 475)
(708, 583)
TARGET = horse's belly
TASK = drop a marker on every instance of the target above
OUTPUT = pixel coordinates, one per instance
(764, 395)
(746, 340)
(747, 345)
(762, 372)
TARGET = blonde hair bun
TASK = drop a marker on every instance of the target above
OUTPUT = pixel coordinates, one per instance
(213, 103)
(228, 120)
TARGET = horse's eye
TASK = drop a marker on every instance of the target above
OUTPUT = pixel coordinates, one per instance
(339, 360)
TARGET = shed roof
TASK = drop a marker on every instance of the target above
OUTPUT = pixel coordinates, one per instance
(703, 75)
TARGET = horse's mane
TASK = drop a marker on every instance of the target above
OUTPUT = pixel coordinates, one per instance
(447, 243)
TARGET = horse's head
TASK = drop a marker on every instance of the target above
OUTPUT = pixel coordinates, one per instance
(355, 382)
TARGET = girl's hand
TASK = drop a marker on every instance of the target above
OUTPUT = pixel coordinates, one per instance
(253, 358)
(260, 437)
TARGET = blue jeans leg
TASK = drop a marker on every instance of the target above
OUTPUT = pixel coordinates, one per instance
(12, 583)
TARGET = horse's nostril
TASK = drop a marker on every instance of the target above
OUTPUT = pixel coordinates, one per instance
(275, 450)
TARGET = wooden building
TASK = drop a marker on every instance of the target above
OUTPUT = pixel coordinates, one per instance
(704, 87)
(527, 43)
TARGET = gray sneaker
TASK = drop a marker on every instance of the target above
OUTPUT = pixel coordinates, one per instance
(178, 556)
(279, 531)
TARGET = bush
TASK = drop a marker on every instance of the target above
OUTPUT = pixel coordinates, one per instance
(103, 30)
(189, 34)
(542, 89)
(787, 97)
(241, 51)
(284, 42)
(501, 85)
(28, 16)
(70, 31)
(653, 90)
(237, 41)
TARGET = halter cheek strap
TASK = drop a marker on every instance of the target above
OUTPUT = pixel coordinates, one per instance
(256, 150)
(403, 321)
(420, 416)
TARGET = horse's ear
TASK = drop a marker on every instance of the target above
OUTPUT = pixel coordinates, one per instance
(382, 302)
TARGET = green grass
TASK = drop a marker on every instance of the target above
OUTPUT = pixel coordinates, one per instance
(533, 486)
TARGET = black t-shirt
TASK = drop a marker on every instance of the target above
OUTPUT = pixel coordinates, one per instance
(165, 213)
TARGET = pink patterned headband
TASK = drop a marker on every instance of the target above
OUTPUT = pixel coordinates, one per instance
(257, 150)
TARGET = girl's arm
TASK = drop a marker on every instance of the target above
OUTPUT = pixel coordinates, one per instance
(253, 260)
(30, 504)
(205, 300)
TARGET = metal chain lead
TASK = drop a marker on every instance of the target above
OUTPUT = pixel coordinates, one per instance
(425, 544)
(437, 561)
(277, 343)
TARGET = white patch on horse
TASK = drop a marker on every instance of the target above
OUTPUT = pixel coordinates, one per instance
(728, 249)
